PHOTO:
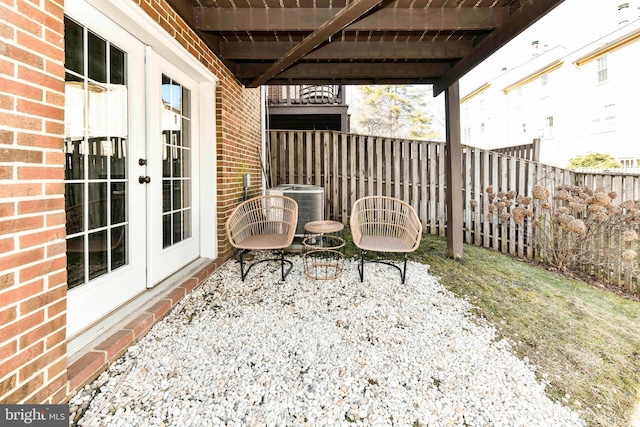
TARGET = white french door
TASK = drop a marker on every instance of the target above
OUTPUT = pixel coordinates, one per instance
(104, 138)
(132, 172)
(173, 226)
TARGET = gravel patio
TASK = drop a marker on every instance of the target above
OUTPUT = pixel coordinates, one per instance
(320, 353)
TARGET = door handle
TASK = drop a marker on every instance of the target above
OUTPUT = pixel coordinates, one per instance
(144, 179)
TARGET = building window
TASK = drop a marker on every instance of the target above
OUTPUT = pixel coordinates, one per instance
(604, 119)
(544, 80)
(467, 136)
(482, 128)
(602, 69)
(524, 128)
(548, 131)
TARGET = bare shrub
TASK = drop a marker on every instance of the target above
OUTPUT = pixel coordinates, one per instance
(573, 225)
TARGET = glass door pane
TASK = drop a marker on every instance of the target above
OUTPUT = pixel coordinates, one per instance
(176, 162)
(96, 145)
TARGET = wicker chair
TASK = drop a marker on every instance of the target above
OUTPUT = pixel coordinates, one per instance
(263, 222)
(384, 224)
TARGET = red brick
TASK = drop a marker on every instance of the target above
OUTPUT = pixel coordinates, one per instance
(8, 350)
(57, 308)
(55, 158)
(6, 385)
(7, 102)
(55, 8)
(6, 281)
(52, 391)
(21, 258)
(55, 219)
(40, 205)
(38, 15)
(189, 284)
(57, 249)
(54, 98)
(52, 189)
(58, 368)
(21, 156)
(20, 21)
(54, 127)
(42, 300)
(18, 88)
(85, 369)
(116, 344)
(40, 173)
(38, 78)
(56, 338)
(57, 279)
(6, 137)
(8, 315)
(21, 292)
(6, 245)
(140, 325)
(10, 190)
(40, 141)
(176, 295)
(20, 394)
(42, 362)
(41, 237)
(160, 309)
(42, 269)
(21, 359)
(21, 224)
(21, 122)
(40, 109)
(7, 68)
(6, 172)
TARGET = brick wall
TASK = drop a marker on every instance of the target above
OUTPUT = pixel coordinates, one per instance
(32, 221)
(33, 360)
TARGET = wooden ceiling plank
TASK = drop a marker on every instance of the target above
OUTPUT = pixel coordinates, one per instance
(339, 50)
(347, 15)
(350, 71)
(386, 19)
(529, 12)
(406, 19)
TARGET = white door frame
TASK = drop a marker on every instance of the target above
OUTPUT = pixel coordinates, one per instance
(89, 302)
(136, 22)
(133, 19)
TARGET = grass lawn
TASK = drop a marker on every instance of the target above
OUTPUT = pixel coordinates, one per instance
(584, 341)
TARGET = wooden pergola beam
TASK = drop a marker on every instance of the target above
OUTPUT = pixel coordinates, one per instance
(354, 50)
(426, 72)
(528, 13)
(386, 19)
(347, 15)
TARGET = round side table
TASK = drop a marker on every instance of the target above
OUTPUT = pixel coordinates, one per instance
(322, 258)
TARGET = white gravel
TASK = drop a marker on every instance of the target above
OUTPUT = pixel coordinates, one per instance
(313, 353)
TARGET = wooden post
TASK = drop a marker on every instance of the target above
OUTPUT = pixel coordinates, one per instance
(535, 155)
(454, 172)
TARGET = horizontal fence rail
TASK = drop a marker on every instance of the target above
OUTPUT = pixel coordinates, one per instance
(352, 166)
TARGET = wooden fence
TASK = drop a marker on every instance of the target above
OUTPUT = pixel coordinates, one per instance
(525, 151)
(351, 166)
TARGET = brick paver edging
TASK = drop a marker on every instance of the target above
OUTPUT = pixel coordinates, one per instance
(97, 360)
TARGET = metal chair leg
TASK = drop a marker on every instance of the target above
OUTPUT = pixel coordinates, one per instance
(242, 272)
(361, 266)
(404, 270)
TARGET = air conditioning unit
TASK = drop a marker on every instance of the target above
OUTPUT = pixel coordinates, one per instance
(310, 199)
